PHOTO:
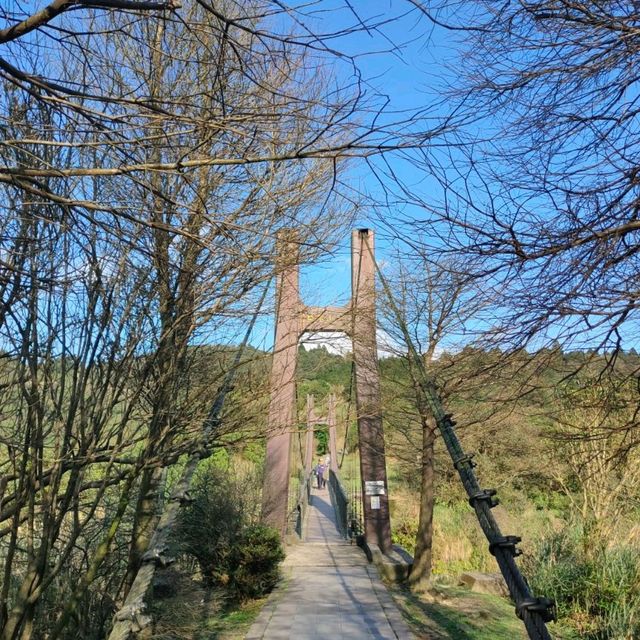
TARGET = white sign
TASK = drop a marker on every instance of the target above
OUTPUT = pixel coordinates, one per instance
(374, 487)
(375, 502)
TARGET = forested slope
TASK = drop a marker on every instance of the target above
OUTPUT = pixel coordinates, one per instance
(555, 433)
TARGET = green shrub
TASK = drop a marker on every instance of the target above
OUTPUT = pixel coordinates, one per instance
(599, 594)
(225, 501)
(254, 562)
(458, 542)
(211, 523)
(404, 533)
(614, 594)
(219, 529)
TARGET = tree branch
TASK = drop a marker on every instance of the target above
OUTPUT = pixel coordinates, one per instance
(44, 16)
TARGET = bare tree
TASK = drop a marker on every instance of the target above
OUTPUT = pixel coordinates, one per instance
(438, 304)
(598, 472)
(72, 344)
(149, 154)
(541, 183)
(63, 55)
(111, 273)
(537, 188)
(205, 250)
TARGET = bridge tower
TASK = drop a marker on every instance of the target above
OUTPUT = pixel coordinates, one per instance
(313, 421)
(358, 320)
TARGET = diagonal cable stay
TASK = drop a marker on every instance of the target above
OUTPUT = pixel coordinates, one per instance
(535, 612)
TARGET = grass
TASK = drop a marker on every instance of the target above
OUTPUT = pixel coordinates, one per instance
(195, 613)
(231, 624)
(448, 612)
(456, 613)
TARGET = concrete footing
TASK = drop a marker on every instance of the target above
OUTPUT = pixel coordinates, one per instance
(492, 583)
(393, 566)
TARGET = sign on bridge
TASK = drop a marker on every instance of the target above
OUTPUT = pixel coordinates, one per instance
(374, 487)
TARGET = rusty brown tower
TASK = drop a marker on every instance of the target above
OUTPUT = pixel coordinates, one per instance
(358, 320)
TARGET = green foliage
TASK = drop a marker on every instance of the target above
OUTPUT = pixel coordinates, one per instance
(544, 499)
(219, 529)
(458, 614)
(458, 542)
(404, 533)
(212, 522)
(253, 562)
(320, 366)
(254, 452)
(322, 441)
(598, 593)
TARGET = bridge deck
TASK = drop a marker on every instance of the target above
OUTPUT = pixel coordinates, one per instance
(329, 590)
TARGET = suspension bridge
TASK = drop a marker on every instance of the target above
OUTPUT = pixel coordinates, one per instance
(329, 587)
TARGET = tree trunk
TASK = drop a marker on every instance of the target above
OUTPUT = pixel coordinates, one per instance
(19, 622)
(420, 575)
(146, 518)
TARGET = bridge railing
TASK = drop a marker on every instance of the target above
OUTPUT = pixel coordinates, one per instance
(298, 514)
(340, 501)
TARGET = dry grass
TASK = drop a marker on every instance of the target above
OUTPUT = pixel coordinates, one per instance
(197, 613)
(446, 612)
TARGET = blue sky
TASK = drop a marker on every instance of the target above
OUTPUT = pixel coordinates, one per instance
(412, 64)
(404, 61)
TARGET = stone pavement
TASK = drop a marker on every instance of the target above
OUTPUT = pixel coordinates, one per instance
(329, 591)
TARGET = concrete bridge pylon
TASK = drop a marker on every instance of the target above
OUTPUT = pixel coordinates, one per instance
(358, 320)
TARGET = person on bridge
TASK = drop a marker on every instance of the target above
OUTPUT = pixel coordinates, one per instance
(320, 470)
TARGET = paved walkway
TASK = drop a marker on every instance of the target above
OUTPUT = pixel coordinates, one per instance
(329, 591)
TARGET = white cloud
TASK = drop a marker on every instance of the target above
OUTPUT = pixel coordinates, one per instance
(339, 343)
(335, 342)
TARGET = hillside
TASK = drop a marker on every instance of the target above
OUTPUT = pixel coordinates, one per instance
(554, 434)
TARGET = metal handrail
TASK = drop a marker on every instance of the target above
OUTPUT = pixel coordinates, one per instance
(340, 502)
(298, 515)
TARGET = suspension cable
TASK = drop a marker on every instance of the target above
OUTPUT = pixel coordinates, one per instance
(535, 612)
(348, 415)
(131, 617)
(299, 432)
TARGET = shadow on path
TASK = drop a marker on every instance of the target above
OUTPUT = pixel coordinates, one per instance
(329, 593)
